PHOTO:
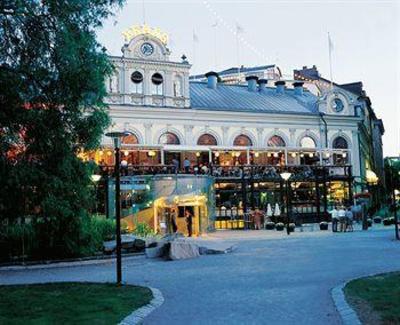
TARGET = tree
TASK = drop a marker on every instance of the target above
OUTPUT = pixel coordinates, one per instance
(52, 77)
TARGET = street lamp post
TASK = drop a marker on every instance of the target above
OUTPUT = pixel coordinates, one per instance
(393, 194)
(117, 137)
(95, 179)
(285, 176)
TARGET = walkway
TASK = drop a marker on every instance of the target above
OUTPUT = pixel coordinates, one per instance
(269, 279)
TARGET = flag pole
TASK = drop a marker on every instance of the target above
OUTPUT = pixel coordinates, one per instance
(330, 46)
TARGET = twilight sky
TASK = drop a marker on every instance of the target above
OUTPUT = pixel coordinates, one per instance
(289, 33)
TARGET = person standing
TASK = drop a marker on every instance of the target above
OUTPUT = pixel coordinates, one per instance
(175, 163)
(335, 219)
(186, 165)
(189, 222)
(342, 218)
(173, 228)
(258, 216)
(349, 220)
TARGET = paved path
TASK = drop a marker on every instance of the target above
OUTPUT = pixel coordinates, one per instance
(269, 279)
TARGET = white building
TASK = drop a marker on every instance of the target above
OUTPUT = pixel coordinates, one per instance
(212, 123)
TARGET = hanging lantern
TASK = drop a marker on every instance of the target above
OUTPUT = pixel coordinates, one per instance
(216, 154)
(197, 154)
(293, 154)
(126, 153)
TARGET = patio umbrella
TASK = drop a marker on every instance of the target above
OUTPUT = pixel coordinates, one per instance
(269, 210)
(277, 211)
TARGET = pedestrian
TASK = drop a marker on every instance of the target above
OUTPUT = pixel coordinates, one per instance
(173, 226)
(342, 218)
(186, 165)
(189, 222)
(258, 216)
(335, 218)
(349, 219)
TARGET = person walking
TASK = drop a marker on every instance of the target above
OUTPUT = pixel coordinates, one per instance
(258, 216)
(349, 220)
(189, 222)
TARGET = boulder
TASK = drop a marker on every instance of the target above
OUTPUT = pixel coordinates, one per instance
(154, 252)
(139, 245)
(180, 250)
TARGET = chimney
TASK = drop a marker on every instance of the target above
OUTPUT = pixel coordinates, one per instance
(212, 79)
(262, 83)
(298, 88)
(252, 83)
(280, 86)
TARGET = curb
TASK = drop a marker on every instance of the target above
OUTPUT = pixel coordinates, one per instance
(65, 264)
(137, 317)
(348, 315)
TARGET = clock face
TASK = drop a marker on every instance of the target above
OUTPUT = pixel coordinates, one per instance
(147, 49)
(338, 105)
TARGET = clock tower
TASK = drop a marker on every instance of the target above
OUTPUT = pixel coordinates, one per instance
(145, 75)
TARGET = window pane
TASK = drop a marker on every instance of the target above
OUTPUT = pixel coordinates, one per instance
(276, 141)
(243, 141)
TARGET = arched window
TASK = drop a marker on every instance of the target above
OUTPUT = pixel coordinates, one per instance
(340, 143)
(307, 142)
(157, 81)
(137, 82)
(276, 141)
(207, 140)
(168, 138)
(130, 139)
(242, 140)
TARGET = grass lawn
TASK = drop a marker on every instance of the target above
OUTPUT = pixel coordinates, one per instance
(70, 303)
(376, 299)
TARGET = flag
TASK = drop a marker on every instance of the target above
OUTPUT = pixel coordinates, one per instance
(330, 43)
(195, 37)
(239, 29)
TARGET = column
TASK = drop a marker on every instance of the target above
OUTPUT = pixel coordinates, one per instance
(147, 133)
(292, 138)
(260, 139)
(225, 130)
(355, 154)
(189, 134)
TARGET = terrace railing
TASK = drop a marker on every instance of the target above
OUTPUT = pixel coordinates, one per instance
(255, 172)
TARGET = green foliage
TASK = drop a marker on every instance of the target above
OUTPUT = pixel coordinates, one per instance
(52, 77)
(70, 303)
(143, 230)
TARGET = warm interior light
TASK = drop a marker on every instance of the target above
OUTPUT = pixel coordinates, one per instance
(151, 153)
(256, 154)
(302, 155)
(276, 155)
(327, 154)
(95, 178)
(101, 152)
(216, 154)
(268, 154)
(237, 154)
(124, 163)
(197, 154)
(344, 155)
(109, 153)
(293, 154)
(311, 155)
(126, 153)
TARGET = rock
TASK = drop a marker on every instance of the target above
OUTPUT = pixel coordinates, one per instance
(180, 250)
(154, 252)
(171, 237)
(216, 248)
(139, 245)
(127, 243)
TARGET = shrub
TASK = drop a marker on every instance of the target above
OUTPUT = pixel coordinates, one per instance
(143, 230)
(279, 226)
(377, 220)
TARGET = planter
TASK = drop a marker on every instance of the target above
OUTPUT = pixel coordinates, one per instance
(386, 222)
(280, 226)
(369, 221)
(323, 225)
(270, 225)
(292, 227)
(377, 220)
(391, 219)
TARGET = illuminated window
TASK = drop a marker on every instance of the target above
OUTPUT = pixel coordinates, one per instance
(276, 141)
(207, 140)
(242, 141)
(130, 139)
(168, 138)
(307, 142)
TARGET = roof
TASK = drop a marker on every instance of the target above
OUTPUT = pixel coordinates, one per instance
(238, 98)
(235, 70)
